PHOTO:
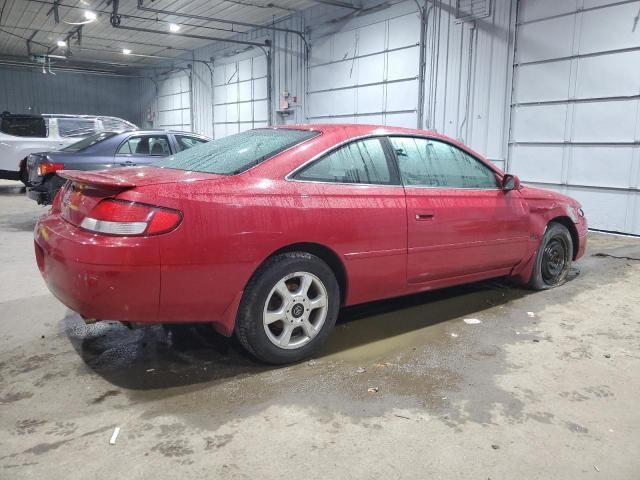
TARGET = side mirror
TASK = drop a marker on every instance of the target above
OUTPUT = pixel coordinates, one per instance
(510, 182)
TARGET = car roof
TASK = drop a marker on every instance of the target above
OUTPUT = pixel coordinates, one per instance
(357, 130)
(361, 129)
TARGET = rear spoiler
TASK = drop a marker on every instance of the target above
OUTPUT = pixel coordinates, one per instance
(96, 179)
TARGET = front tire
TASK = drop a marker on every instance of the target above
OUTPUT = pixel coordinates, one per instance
(288, 309)
(553, 258)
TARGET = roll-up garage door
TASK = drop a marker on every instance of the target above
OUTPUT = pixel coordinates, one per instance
(174, 110)
(239, 95)
(366, 73)
(576, 105)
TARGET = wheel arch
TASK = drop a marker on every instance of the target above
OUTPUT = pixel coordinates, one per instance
(326, 254)
(568, 223)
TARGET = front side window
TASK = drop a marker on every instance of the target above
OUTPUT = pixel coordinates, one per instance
(76, 127)
(362, 161)
(185, 142)
(236, 153)
(154, 145)
(432, 163)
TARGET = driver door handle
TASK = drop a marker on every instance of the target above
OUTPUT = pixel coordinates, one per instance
(422, 216)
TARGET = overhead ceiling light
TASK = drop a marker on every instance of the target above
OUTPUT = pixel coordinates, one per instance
(174, 28)
(62, 43)
(90, 16)
(126, 51)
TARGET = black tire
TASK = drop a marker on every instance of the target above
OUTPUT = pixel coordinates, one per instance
(250, 329)
(553, 258)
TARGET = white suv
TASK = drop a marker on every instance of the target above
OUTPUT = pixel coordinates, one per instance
(21, 135)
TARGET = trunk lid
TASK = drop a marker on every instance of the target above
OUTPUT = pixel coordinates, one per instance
(85, 189)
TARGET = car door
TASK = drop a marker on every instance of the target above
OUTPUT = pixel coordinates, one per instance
(353, 199)
(459, 221)
(142, 149)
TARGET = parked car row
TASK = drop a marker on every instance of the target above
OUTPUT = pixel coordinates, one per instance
(100, 151)
(21, 135)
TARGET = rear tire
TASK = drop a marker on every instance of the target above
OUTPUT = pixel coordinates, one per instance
(288, 308)
(553, 258)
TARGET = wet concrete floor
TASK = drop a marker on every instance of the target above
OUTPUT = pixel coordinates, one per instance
(546, 386)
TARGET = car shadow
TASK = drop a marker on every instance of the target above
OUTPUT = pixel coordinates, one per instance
(158, 357)
(7, 190)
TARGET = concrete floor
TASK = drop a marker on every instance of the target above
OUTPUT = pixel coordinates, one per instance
(551, 394)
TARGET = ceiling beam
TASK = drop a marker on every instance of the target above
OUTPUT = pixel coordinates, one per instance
(215, 19)
(266, 43)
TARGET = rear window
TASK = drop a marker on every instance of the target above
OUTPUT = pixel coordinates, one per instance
(88, 142)
(236, 153)
(19, 126)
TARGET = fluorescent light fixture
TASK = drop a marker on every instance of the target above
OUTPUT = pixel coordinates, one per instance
(62, 43)
(174, 28)
(90, 16)
(126, 51)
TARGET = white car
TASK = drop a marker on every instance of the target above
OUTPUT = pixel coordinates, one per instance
(21, 135)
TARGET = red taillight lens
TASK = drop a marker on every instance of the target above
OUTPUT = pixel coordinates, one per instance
(119, 217)
(47, 168)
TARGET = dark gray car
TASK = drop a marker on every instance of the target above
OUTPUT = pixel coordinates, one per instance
(100, 151)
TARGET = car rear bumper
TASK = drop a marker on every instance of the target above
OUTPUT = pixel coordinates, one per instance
(107, 278)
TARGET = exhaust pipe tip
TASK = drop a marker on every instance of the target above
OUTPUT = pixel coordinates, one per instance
(88, 320)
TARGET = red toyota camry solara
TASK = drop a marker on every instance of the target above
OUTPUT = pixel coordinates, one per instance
(267, 233)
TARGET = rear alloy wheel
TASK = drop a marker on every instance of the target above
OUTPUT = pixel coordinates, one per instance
(289, 308)
(553, 259)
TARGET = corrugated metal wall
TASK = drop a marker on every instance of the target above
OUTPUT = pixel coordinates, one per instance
(29, 90)
(576, 105)
(468, 75)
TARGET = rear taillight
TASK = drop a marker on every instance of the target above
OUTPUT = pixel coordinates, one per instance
(119, 217)
(47, 168)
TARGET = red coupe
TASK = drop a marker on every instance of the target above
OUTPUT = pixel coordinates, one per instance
(266, 234)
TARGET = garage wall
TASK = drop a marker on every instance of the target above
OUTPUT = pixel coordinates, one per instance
(174, 101)
(30, 91)
(576, 105)
(365, 70)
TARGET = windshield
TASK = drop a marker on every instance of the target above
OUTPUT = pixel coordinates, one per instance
(236, 153)
(88, 142)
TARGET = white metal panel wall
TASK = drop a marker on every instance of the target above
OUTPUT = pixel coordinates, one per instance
(367, 71)
(174, 102)
(576, 105)
(240, 93)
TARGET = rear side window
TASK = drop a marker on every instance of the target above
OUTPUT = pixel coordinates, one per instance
(236, 153)
(115, 125)
(362, 161)
(157, 145)
(76, 127)
(26, 126)
(432, 163)
(88, 142)
(185, 142)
